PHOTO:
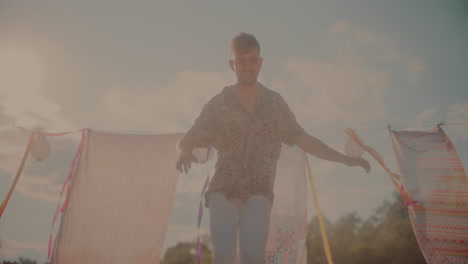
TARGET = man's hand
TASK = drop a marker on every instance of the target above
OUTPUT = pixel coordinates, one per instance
(358, 161)
(185, 161)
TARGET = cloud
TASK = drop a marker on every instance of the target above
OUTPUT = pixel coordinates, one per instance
(13, 142)
(458, 112)
(374, 43)
(339, 92)
(339, 27)
(457, 122)
(23, 77)
(389, 52)
(387, 48)
(32, 110)
(170, 108)
(425, 116)
(11, 249)
(21, 70)
(42, 187)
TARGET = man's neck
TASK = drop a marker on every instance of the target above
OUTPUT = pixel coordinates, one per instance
(247, 90)
(247, 95)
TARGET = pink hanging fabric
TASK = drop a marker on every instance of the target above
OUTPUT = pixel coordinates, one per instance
(120, 200)
(433, 176)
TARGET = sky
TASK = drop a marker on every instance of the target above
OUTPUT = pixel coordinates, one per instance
(149, 67)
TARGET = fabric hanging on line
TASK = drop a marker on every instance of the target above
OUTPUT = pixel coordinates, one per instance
(433, 176)
(434, 186)
(288, 224)
(120, 200)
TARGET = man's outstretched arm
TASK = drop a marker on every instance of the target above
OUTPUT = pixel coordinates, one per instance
(317, 148)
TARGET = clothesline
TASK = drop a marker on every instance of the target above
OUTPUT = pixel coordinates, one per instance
(399, 127)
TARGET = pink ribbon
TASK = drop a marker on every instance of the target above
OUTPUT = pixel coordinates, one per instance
(49, 247)
(73, 164)
(60, 209)
(410, 203)
(56, 214)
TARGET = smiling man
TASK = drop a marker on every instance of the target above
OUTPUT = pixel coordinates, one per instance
(247, 124)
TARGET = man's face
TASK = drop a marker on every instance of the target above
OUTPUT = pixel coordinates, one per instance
(247, 66)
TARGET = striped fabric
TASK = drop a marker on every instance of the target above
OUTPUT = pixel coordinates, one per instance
(120, 200)
(434, 178)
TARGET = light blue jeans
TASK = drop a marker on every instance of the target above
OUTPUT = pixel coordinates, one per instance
(250, 220)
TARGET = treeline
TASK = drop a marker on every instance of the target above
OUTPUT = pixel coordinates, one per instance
(20, 261)
(386, 237)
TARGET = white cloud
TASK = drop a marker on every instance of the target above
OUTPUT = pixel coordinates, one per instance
(425, 116)
(357, 38)
(11, 249)
(13, 143)
(336, 93)
(458, 112)
(388, 51)
(164, 109)
(32, 110)
(23, 78)
(21, 71)
(42, 187)
(379, 41)
(457, 122)
(339, 27)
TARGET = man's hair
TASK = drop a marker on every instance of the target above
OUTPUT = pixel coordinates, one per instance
(243, 42)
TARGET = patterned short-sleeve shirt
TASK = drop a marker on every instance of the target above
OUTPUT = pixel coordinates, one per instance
(248, 144)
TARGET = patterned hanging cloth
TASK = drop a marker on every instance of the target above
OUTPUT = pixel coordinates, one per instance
(434, 186)
(433, 175)
(288, 224)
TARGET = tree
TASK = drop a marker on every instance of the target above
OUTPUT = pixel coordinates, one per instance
(342, 237)
(185, 253)
(385, 237)
(20, 261)
(315, 250)
(396, 241)
(362, 250)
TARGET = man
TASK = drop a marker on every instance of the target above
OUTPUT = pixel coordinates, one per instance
(247, 123)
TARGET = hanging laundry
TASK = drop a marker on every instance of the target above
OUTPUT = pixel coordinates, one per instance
(434, 186)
